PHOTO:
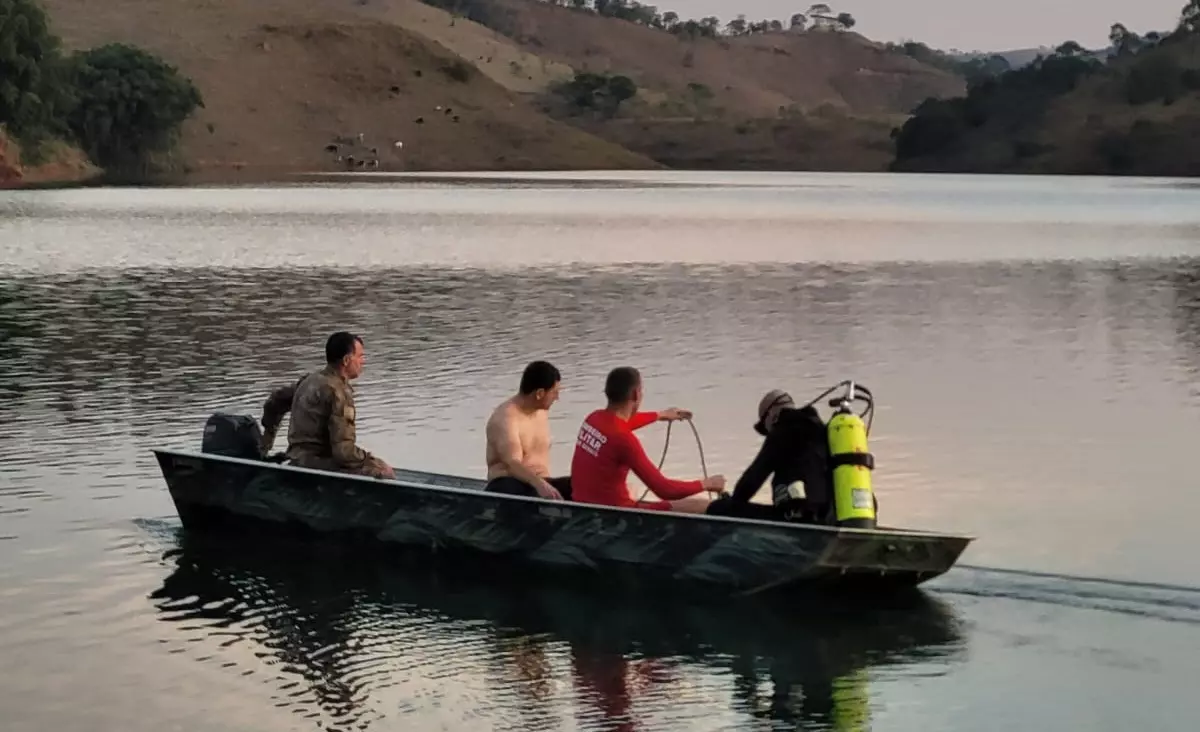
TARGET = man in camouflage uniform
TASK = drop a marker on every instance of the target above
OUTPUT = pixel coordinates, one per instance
(322, 434)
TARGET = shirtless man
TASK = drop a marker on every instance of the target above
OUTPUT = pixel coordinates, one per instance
(518, 438)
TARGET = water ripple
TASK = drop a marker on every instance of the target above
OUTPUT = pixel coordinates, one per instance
(340, 639)
(1173, 603)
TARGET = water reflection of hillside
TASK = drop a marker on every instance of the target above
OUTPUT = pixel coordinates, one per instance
(145, 355)
(1185, 280)
(352, 642)
(155, 325)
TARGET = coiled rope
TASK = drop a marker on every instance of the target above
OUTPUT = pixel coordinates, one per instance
(667, 446)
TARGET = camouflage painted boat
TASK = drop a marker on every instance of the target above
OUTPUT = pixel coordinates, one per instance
(452, 514)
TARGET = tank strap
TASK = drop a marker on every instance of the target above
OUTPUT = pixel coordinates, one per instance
(864, 459)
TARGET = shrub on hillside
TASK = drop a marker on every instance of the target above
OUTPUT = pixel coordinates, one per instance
(120, 103)
(457, 70)
(32, 92)
(601, 93)
(129, 104)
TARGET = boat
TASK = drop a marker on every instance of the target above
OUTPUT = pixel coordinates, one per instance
(450, 514)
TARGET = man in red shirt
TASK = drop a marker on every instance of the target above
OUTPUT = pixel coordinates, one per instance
(606, 450)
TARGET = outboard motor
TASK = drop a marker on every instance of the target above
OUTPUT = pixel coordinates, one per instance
(233, 435)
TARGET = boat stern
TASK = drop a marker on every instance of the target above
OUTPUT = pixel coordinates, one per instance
(885, 556)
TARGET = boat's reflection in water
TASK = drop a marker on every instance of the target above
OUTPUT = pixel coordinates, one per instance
(349, 629)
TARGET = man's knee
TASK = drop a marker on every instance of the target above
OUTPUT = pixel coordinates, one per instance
(726, 506)
(698, 503)
(510, 486)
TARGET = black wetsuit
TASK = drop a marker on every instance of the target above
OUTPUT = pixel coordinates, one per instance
(517, 487)
(795, 449)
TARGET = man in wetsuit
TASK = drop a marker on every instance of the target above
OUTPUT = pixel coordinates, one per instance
(606, 450)
(518, 438)
(322, 434)
(794, 453)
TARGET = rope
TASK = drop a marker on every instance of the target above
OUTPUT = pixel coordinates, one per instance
(667, 445)
(699, 445)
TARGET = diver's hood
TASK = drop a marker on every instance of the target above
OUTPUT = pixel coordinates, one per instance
(807, 413)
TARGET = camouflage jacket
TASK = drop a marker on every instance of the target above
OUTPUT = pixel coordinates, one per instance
(321, 432)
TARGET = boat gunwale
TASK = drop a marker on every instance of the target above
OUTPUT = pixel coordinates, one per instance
(537, 500)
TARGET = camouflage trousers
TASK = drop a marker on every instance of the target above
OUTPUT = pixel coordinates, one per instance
(372, 466)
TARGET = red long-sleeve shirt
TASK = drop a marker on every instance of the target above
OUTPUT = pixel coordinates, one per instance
(606, 450)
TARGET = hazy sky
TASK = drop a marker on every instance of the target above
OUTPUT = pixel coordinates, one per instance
(963, 24)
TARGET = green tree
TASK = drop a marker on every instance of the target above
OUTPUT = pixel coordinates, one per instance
(130, 105)
(32, 94)
(820, 15)
(995, 113)
(1189, 17)
(981, 68)
(1125, 41)
(1070, 49)
(1154, 77)
(620, 89)
(600, 92)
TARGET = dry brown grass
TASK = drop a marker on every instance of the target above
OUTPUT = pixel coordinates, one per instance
(810, 142)
(753, 75)
(499, 58)
(282, 78)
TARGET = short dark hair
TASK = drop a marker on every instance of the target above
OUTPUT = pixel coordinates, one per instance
(539, 375)
(621, 382)
(340, 345)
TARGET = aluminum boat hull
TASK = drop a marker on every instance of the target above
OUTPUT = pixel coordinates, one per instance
(432, 512)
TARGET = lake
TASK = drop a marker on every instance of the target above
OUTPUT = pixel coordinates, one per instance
(1033, 345)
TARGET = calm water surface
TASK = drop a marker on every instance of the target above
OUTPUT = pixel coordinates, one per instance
(1034, 346)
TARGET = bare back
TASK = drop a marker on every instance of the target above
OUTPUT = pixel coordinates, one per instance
(525, 436)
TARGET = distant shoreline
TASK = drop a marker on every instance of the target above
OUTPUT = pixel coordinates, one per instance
(616, 177)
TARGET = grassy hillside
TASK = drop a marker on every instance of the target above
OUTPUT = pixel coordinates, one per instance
(1136, 113)
(750, 74)
(282, 80)
(824, 140)
(776, 100)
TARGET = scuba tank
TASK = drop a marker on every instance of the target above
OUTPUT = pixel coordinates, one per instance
(850, 462)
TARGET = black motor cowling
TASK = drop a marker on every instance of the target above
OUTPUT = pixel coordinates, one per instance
(233, 435)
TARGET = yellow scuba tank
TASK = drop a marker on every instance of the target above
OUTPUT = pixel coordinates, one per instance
(851, 464)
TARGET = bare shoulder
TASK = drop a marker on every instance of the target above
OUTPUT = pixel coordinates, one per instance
(501, 416)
